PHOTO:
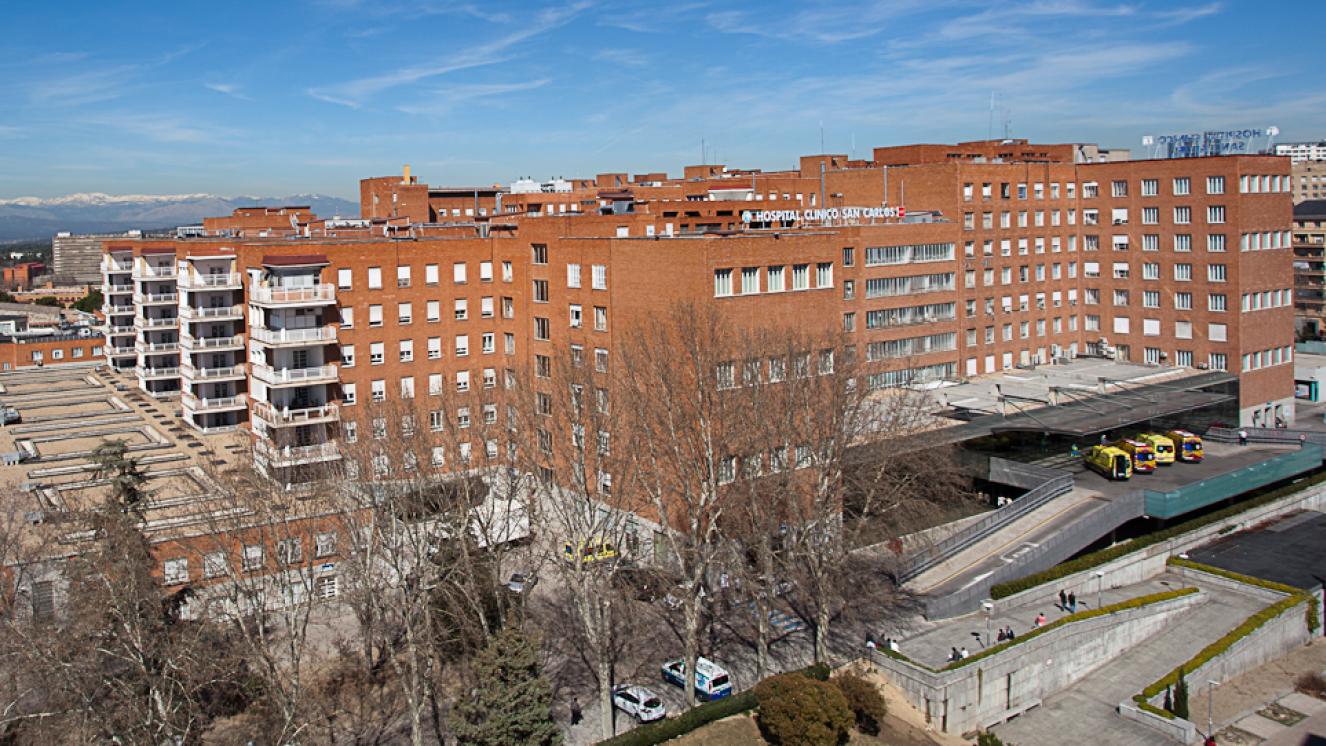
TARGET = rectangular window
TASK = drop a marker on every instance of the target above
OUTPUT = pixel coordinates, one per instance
(175, 571)
(433, 310)
(600, 360)
(251, 558)
(462, 345)
(800, 276)
(542, 330)
(430, 274)
(600, 319)
(1217, 302)
(347, 356)
(461, 309)
(407, 387)
(824, 275)
(404, 313)
(573, 275)
(1215, 242)
(1183, 301)
(376, 353)
(403, 276)
(375, 316)
(1182, 242)
(458, 273)
(407, 350)
(1182, 215)
(577, 316)
(1216, 332)
(539, 253)
(600, 276)
(1183, 272)
(774, 280)
(485, 271)
(347, 393)
(1215, 214)
(750, 280)
(343, 278)
(722, 283)
(1182, 186)
(486, 307)
(434, 348)
(1215, 272)
(377, 390)
(1150, 187)
(1215, 185)
(374, 278)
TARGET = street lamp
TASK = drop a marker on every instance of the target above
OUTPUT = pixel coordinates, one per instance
(1210, 708)
(988, 608)
(1183, 571)
(1100, 581)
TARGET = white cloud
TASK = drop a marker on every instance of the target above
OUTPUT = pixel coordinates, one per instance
(438, 101)
(227, 89)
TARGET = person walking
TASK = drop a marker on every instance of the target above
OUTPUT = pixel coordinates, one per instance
(1063, 599)
(1243, 437)
(1009, 632)
(963, 653)
(1072, 603)
(1040, 619)
(576, 714)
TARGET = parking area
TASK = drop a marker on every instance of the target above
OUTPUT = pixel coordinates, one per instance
(1220, 458)
(1290, 550)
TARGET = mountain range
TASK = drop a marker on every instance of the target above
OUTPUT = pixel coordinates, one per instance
(34, 218)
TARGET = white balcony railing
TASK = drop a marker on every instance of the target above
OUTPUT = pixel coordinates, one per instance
(149, 272)
(121, 350)
(110, 310)
(311, 335)
(121, 329)
(218, 312)
(214, 404)
(205, 373)
(116, 289)
(166, 322)
(156, 372)
(285, 417)
(156, 348)
(295, 376)
(190, 342)
(222, 281)
(295, 455)
(110, 267)
(156, 299)
(293, 296)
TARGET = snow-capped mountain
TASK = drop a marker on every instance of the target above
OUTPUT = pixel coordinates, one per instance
(26, 218)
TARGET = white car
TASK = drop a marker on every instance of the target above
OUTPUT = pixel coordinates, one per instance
(638, 702)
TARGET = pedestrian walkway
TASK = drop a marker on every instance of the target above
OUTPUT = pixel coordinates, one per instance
(1086, 712)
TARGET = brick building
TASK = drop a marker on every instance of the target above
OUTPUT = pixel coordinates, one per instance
(937, 261)
(1310, 268)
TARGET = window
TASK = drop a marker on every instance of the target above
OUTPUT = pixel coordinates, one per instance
(509, 343)
(215, 564)
(1151, 299)
(600, 360)
(599, 277)
(1121, 325)
(1183, 330)
(849, 253)
(508, 307)
(824, 275)
(600, 319)
(1120, 297)
(377, 390)
(462, 380)
(403, 276)
(435, 384)
(1217, 361)
(374, 278)
(347, 318)
(1151, 271)
(507, 273)
(1217, 302)
(344, 278)
(1215, 185)
(1182, 242)
(175, 571)
(774, 280)
(1216, 332)
(485, 271)
(1215, 272)
(462, 309)
(539, 253)
(1151, 327)
(573, 275)
(407, 350)
(1150, 187)
(347, 356)
(430, 274)
(404, 313)
(458, 273)
(1183, 301)
(542, 329)
(726, 375)
(434, 348)
(251, 557)
(488, 343)
(800, 276)
(489, 380)
(750, 280)
(1183, 358)
(462, 345)
(1183, 272)
(1119, 188)
(433, 310)
(1182, 186)
(1215, 214)
(376, 353)
(1150, 215)
(722, 283)
(347, 393)
(1182, 215)
(577, 316)
(1215, 242)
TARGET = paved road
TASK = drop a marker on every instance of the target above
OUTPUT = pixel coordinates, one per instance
(1085, 712)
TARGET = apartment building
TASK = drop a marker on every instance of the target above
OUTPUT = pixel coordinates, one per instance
(935, 261)
(1302, 151)
(1309, 180)
(1310, 268)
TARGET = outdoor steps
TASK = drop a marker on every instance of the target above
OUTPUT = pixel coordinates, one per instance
(1086, 711)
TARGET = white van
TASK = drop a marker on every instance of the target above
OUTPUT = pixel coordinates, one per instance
(711, 680)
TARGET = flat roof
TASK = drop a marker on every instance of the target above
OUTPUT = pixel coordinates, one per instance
(296, 260)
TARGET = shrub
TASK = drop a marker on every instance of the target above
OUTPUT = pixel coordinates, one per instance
(1180, 708)
(989, 739)
(1311, 684)
(796, 709)
(865, 701)
(1088, 561)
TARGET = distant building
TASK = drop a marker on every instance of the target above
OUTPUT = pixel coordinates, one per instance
(1310, 268)
(21, 276)
(1302, 151)
(38, 349)
(1309, 180)
(76, 258)
(65, 294)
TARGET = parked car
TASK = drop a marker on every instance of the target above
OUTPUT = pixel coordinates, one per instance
(521, 582)
(711, 680)
(11, 416)
(638, 702)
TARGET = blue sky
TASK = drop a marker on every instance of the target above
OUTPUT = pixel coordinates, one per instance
(285, 97)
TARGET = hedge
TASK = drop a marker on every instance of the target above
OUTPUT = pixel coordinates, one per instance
(1132, 603)
(1247, 627)
(1088, 561)
(669, 728)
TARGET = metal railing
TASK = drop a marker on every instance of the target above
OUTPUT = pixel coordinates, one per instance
(322, 293)
(156, 323)
(220, 371)
(191, 342)
(284, 416)
(156, 347)
(156, 372)
(154, 298)
(311, 335)
(204, 404)
(214, 312)
(147, 272)
(1212, 490)
(936, 553)
(280, 376)
(199, 281)
(1265, 435)
(295, 455)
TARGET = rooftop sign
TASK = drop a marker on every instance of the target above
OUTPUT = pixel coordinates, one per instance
(822, 215)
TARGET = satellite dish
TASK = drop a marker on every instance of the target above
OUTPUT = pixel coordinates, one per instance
(1272, 131)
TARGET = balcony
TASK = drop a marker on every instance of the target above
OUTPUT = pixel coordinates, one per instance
(285, 417)
(196, 313)
(121, 350)
(312, 295)
(113, 329)
(295, 376)
(293, 337)
(165, 322)
(149, 272)
(116, 289)
(194, 403)
(212, 373)
(156, 348)
(149, 374)
(193, 344)
(156, 299)
(284, 456)
(222, 281)
(110, 310)
(114, 268)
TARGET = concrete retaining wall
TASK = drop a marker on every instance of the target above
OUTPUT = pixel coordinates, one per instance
(1149, 562)
(1177, 729)
(992, 689)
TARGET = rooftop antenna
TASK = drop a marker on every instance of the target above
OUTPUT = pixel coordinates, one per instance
(1008, 121)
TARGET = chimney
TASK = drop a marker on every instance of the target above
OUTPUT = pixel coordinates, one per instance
(406, 178)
